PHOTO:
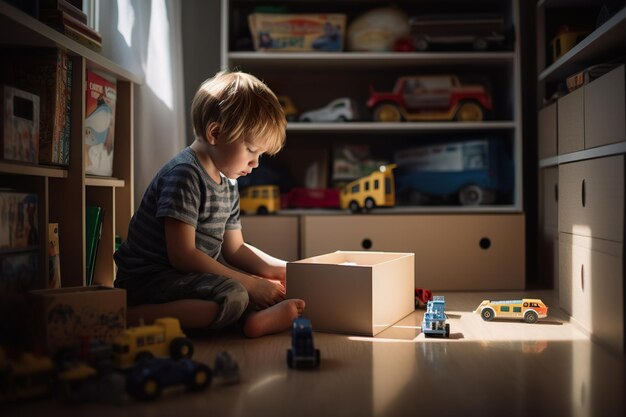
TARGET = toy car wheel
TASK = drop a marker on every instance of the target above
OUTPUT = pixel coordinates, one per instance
(143, 356)
(353, 206)
(262, 210)
(369, 204)
(530, 317)
(487, 314)
(421, 44)
(150, 389)
(289, 358)
(447, 330)
(480, 44)
(342, 118)
(181, 347)
(469, 112)
(387, 112)
(471, 195)
(200, 378)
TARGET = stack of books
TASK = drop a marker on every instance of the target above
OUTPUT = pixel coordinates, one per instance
(70, 20)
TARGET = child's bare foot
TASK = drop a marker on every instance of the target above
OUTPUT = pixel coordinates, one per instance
(274, 319)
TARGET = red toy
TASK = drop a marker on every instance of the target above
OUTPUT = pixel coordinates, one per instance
(311, 198)
(430, 97)
(422, 297)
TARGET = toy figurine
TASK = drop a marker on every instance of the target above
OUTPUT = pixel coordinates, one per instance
(422, 296)
(434, 322)
(302, 353)
(430, 98)
(528, 309)
(147, 378)
(374, 190)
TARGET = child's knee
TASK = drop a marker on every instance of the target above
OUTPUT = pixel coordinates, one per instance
(234, 304)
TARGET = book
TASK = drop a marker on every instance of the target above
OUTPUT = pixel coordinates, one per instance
(18, 221)
(62, 5)
(99, 124)
(58, 19)
(47, 73)
(54, 257)
(94, 218)
(19, 132)
(81, 38)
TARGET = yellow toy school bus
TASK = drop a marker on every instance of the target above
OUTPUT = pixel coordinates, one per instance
(260, 199)
(375, 190)
(529, 309)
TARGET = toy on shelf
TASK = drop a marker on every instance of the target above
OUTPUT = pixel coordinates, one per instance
(164, 338)
(422, 297)
(302, 353)
(478, 30)
(289, 108)
(146, 379)
(311, 198)
(376, 30)
(470, 173)
(430, 98)
(434, 322)
(338, 110)
(226, 369)
(259, 199)
(528, 309)
(375, 190)
(565, 40)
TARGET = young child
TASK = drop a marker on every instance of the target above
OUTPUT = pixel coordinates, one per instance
(189, 216)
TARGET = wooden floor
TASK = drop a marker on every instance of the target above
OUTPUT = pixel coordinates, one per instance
(490, 369)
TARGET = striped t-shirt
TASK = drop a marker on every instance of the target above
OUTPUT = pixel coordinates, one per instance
(184, 191)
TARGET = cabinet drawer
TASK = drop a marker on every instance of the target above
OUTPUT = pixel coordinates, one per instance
(591, 284)
(591, 198)
(547, 132)
(571, 122)
(605, 107)
(277, 236)
(549, 257)
(549, 216)
(452, 252)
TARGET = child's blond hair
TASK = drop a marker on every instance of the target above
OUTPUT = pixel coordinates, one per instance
(244, 107)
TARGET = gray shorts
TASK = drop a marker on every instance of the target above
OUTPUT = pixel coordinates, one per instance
(170, 285)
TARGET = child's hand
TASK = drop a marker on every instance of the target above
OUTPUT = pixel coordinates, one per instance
(265, 293)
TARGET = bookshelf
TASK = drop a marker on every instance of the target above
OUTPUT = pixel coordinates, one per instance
(64, 192)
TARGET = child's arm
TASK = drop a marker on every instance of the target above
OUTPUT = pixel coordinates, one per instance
(184, 256)
(245, 256)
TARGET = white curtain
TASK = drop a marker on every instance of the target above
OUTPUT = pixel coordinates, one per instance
(144, 36)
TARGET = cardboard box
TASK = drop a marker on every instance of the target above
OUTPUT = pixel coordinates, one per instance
(20, 125)
(360, 293)
(65, 316)
(297, 32)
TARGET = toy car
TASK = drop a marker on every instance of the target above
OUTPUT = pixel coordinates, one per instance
(422, 297)
(311, 198)
(529, 309)
(339, 110)
(374, 190)
(477, 30)
(146, 380)
(288, 108)
(434, 322)
(226, 370)
(259, 199)
(430, 97)
(302, 353)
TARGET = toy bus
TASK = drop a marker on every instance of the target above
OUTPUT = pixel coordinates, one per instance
(374, 190)
(529, 309)
(259, 199)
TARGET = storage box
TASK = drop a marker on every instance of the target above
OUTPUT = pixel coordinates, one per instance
(297, 32)
(360, 293)
(20, 125)
(19, 221)
(66, 316)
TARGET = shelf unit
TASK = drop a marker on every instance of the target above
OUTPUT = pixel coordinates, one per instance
(313, 79)
(582, 143)
(64, 192)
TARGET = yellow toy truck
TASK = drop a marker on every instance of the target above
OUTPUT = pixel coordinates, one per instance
(259, 199)
(374, 190)
(164, 338)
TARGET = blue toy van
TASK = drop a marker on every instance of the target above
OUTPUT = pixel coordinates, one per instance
(434, 322)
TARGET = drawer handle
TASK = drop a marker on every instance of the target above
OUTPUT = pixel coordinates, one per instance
(366, 244)
(583, 193)
(556, 193)
(582, 277)
(484, 243)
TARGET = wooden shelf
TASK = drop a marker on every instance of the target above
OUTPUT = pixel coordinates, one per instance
(104, 182)
(405, 127)
(34, 170)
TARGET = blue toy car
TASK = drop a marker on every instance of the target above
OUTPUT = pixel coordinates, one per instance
(434, 323)
(147, 378)
(302, 353)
